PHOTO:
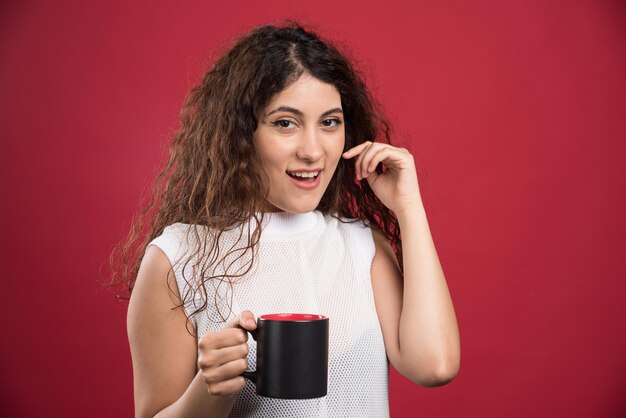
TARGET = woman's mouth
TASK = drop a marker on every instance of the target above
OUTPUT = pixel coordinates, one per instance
(305, 179)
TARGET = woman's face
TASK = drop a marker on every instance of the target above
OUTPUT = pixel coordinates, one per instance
(300, 139)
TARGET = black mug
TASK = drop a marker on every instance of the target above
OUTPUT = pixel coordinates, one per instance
(292, 356)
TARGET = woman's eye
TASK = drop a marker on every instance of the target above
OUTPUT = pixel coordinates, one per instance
(331, 122)
(283, 123)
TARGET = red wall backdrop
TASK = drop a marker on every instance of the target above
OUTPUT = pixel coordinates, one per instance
(515, 112)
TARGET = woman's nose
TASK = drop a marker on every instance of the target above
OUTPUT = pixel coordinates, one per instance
(310, 147)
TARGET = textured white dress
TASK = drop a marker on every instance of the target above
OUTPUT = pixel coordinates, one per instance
(306, 263)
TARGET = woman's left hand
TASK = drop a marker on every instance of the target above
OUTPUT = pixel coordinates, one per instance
(397, 187)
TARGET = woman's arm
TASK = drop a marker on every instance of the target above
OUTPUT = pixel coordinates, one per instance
(415, 309)
(164, 354)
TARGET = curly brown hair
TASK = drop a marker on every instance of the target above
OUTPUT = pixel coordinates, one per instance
(213, 179)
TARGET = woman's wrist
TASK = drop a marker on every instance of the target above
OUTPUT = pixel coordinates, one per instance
(409, 211)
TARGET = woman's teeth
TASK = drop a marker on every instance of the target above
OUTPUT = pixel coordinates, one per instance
(303, 175)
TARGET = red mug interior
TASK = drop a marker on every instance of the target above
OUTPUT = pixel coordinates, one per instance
(292, 317)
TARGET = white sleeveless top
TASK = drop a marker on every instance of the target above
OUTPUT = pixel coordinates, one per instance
(306, 263)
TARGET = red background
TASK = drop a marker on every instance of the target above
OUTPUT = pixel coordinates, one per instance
(515, 112)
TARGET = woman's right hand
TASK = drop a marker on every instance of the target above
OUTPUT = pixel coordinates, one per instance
(223, 356)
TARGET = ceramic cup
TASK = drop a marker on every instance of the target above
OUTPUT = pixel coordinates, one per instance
(292, 356)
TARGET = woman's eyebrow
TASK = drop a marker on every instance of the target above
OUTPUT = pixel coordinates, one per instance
(331, 111)
(299, 112)
(286, 109)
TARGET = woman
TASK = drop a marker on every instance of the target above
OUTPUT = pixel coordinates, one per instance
(283, 194)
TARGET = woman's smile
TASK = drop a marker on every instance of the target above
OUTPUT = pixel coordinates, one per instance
(305, 179)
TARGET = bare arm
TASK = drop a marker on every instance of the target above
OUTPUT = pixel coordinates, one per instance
(415, 309)
(164, 354)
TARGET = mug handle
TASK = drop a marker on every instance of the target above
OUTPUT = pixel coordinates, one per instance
(249, 374)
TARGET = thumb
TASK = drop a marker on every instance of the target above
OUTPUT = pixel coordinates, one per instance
(244, 320)
(373, 176)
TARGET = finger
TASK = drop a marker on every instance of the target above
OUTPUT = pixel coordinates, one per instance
(392, 157)
(380, 155)
(357, 163)
(368, 157)
(245, 320)
(219, 357)
(372, 177)
(225, 371)
(355, 150)
(223, 338)
(227, 387)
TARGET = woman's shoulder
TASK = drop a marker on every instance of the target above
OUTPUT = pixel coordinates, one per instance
(357, 235)
(174, 240)
(183, 232)
(177, 228)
